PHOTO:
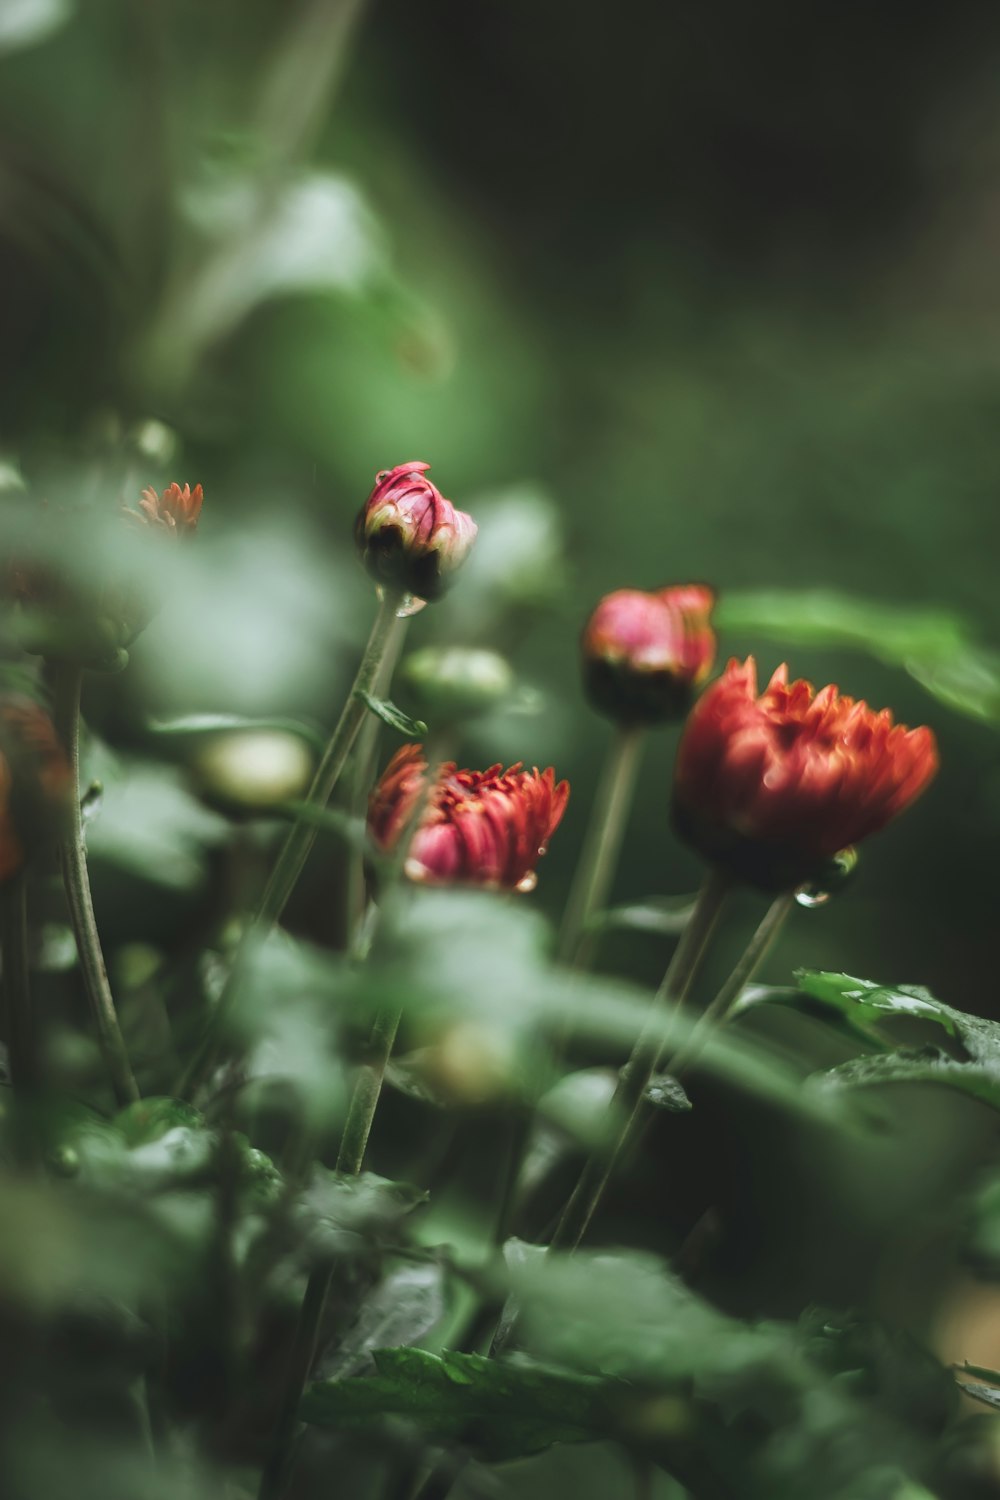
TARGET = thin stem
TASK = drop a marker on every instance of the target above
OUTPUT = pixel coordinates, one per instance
(19, 1020)
(385, 640)
(602, 845)
(639, 1069)
(366, 1092)
(365, 754)
(67, 681)
(722, 1007)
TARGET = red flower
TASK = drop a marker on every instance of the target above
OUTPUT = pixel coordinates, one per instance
(409, 536)
(35, 781)
(774, 786)
(646, 655)
(175, 510)
(478, 827)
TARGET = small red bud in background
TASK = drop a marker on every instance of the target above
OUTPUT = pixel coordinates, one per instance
(174, 509)
(409, 536)
(487, 828)
(645, 655)
(773, 786)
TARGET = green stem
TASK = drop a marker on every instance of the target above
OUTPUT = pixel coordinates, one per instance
(67, 681)
(722, 1007)
(602, 845)
(19, 1020)
(366, 1092)
(385, 641)
(364, 775)
(639, 1069)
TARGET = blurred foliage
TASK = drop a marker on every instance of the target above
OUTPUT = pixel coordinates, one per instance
(662, 295)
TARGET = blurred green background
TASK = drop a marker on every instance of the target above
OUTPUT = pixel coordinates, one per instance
(715, 286)
(661, 293)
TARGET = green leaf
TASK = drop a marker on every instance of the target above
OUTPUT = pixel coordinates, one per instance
(934, 646)
(663, 917)
(987, 1394)
(24, 23)
(194, 726)
(869, 1006)
(413, 729)
(863, 1006)
(149, 1119)
(664, 1092)
(403, 1307)
(507, 1409)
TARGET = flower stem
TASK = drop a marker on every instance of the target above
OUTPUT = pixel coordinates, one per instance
(365, 1095)
(596, 868)
(19, 1020)
(385, 641)
(639, 1069)
(67, 680)
(724, 1004)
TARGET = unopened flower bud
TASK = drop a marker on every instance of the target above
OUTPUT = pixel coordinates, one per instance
(409, 536)
(486, 828)
(252, 769)
(174, 509)
(645, 655)
(773, 786)
(454, 683)
(35, 782)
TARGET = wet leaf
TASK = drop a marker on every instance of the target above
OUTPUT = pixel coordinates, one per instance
(505, 1409)
(403, 1307)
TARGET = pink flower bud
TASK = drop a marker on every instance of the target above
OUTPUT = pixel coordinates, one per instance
(645, 655)
(772, 787)
(409, 536)
(485, 828)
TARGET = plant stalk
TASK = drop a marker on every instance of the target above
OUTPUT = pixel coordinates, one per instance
(19, 1019)
(639, 1069)
(385, 641)
(67, 680)
(719, 1011)
(602, 845)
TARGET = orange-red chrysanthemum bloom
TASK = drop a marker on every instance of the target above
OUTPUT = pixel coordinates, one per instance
(174, 510)
(35, 781)
(645, 655)
(409, 536)
(773, 786)
(487, 828)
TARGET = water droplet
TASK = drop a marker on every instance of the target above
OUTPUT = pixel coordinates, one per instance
(527, 883)
(837, 873)
(90, 802)
(811, 896)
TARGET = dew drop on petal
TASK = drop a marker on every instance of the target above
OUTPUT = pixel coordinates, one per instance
(527, 883)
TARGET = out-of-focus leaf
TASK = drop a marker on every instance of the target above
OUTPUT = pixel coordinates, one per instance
(934, 646)
(312, 233)
(663, 917)
(664, 1092)
(150, 1118)
(342, 1215)
(193, 726)
(149, 823)
(413, 729)
(519, 560)
(24, 23)
(506, 1408)
(403, 1307)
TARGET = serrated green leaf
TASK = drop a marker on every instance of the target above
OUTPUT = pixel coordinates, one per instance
(977, 1073)
(507, 1409)
(413, 729)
